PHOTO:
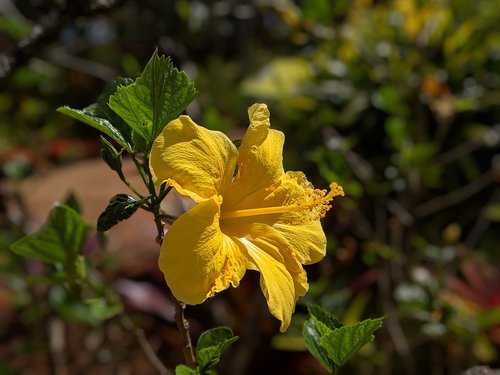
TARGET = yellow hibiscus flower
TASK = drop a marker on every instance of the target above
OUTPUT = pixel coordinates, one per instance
(249, 213)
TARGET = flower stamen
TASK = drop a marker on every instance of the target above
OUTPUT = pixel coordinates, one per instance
(314, 205)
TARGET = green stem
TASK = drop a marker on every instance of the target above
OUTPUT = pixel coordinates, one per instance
(129, 185)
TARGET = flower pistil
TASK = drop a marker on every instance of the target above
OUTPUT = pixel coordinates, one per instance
(313, 206)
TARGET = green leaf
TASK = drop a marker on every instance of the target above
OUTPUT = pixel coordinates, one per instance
(325, 321)
(105, 111)
(58, 241)
(100, 116)
(341, 343)
(120, 207)
(111, 157)
(312, 338)
(158, 96)
(91, 311)
(185, 370)
(140, 143)
(211, 345)
(73, 202)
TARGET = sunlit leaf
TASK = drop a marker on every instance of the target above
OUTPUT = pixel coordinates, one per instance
(158, 96)
(102, 118)
(342, 342)
(312, 338)
(325, 321)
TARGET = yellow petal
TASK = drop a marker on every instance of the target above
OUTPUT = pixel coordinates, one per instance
(195, 160)
(286, 209)
(260, 163)
(308, 240)
(196, 258)
(283, 280)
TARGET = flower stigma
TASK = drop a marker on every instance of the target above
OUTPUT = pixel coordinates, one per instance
(314, 205)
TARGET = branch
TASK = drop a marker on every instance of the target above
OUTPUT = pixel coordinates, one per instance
(47, 28)
(145, 345)
(183, 325)
(455, 197)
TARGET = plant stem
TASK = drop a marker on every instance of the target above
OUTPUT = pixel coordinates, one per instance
(183, 326)
(182, 323)
(145, 345)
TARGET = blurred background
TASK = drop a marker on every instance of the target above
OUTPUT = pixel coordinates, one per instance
(397, 101)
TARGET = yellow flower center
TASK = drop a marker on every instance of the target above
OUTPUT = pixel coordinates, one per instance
(314, 205)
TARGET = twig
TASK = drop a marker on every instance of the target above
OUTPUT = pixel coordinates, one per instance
(145, 345)
(455, 197)
(482, 224)
(58, 56)
(392, 323)
(46, 29)
(458, 152)
(400, 212)
(183, 325)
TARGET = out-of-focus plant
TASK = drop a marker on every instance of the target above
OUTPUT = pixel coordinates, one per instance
(401, 99)
(474, 303)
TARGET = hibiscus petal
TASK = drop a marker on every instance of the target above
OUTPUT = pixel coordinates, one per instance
(196, 258)
(283, 280)
(276, 284)
(195, 160)
(308, 240)
(260, 163)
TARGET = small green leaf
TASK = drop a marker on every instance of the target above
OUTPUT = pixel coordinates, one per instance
(73, 202)
(91, 311)
(185, 370)
(100, 116)
(211, 345)
(89, 116)
(59, 240)
(120, 207)
(313, 342)
(105, 111)
(111, 157)
(158, 96)
(341, 343)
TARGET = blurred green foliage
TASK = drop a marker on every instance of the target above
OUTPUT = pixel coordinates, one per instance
(397, 101)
